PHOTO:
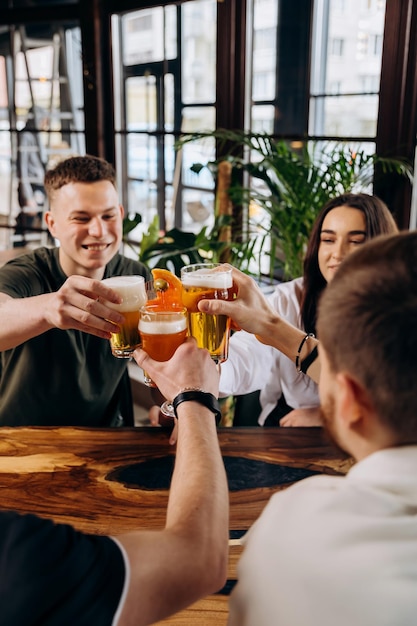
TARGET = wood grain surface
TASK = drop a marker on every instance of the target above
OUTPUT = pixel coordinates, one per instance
(71, 475)
(67, 473)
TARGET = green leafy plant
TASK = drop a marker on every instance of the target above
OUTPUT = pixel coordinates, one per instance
(176, 248)
(292, 185)
(130, 221)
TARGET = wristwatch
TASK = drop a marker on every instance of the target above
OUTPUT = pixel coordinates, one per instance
(202, 397)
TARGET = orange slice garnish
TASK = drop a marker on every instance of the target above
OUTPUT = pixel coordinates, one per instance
(167, 287)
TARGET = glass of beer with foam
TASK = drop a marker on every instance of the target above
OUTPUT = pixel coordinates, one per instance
(214, 281)
(162, 331)
(132, 290)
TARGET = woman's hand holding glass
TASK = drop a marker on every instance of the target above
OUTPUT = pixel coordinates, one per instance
(250, 310)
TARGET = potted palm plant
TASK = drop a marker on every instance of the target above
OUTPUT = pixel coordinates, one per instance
(292, 185)
(176, 248)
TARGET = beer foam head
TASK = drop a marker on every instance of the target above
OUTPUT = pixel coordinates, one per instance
(209, 278)
(130, 288)
(162, 327)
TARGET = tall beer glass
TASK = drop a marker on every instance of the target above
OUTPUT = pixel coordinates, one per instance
(132, 290)
(214, 281)
(162, 331)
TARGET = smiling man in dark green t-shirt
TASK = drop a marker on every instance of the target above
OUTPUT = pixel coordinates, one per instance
(56, 366)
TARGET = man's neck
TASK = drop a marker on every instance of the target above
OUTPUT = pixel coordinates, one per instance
(70, 269)
(362, 445)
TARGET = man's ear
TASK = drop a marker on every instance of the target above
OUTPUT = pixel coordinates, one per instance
(353, 401)
(122, 210)
(50, 222)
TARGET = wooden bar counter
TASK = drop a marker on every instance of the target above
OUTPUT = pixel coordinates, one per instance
(110, 481)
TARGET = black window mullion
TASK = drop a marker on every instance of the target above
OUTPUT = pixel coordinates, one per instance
(178, 113)
(293, 67)
(397, 114)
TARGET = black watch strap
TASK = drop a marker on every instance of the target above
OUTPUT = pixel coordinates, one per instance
(202, 397)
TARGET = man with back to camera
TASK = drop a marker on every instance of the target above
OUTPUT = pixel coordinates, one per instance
(56, 366)
(52, 575)
(343, 550)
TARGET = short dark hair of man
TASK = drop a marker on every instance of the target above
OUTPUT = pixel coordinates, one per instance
(367, 327)
(78, 169)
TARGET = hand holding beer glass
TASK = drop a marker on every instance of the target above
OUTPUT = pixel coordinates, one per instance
(133, 293)
(162, 332)
(201, 281)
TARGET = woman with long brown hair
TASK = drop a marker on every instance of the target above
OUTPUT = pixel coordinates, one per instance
(287, 396)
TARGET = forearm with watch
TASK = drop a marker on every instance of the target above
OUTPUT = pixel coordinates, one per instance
(195, 394)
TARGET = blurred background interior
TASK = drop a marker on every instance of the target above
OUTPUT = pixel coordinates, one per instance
(125, 79)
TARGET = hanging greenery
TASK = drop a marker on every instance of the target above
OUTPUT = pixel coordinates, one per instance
(292, 185)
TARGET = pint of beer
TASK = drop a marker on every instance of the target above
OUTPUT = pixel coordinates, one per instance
(162, 331)
(132, 290)
(214, 281)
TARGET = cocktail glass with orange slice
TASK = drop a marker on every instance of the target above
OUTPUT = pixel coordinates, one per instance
(163, 322)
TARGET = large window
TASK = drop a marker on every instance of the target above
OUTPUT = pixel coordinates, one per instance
(165, 77)
(346, 68)
(329, 93)
(41, 118)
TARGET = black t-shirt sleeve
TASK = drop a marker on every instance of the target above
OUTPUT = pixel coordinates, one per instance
(51, 575)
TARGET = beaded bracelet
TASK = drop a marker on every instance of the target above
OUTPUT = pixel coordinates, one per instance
(300, 347)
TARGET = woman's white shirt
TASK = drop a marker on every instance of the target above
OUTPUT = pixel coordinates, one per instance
(254, 366)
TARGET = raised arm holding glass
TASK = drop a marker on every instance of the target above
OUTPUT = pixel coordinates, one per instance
(60, 576)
